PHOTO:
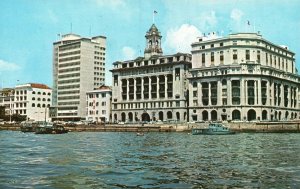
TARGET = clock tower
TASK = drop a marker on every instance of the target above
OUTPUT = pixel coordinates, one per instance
(153, 42)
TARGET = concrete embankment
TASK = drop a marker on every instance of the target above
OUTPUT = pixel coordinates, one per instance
(266, 127)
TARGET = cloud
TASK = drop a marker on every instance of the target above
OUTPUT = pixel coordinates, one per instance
(180, 39)
(236, 15)
(8, 66)
(208, 20)
(128, 53)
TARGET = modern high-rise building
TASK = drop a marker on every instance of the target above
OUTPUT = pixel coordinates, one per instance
(243, 77)
(78, 67)
(153, 87)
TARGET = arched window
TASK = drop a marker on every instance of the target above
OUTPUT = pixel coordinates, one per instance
(204, 115)
(39, 99)
(236, 115)
(44, 99)
(251, 115)
(33, 98)
(44, 93)
(49, 94)
(38, 105)
(33, 92)
(264, 115)
(44, 105)
(39, 93)
(214, 115)
(169, 115)
(33, 104)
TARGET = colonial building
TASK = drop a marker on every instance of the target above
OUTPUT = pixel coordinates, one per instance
(153, 87)
(31, 100)
(99, 104)
(78, 67)
(242, 77)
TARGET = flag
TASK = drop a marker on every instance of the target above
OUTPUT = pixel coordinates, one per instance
(155, 12)
(248, 22)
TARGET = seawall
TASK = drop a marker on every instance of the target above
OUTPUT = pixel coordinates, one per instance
(265, 127)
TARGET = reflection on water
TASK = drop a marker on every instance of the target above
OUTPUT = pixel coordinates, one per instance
(155, 160)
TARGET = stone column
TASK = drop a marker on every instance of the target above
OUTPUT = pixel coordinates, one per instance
(209, 94)
(268, 95)
(220, 91)
(166, 86)
(157, 88)
(255, 93)
(150, 96)
(142, 88)
(199, 94)
(229, 93)
(282, 95)
(134, 88)
(127, 82)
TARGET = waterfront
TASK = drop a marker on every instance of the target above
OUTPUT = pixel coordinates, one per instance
(155, 160)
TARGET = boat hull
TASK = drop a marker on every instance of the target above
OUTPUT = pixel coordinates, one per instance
(209, 132)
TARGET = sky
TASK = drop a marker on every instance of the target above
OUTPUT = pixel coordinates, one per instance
(28, 28)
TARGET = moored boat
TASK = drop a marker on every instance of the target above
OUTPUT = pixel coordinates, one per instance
(27, 127)
(213, 129)
(50, 128)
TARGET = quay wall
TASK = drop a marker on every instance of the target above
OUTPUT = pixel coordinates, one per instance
(267, 127)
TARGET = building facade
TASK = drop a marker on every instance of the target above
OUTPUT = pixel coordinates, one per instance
(31, 100)
(78, 67)
(242, 77)
(7, 100)
(152, 87)
(99, 105)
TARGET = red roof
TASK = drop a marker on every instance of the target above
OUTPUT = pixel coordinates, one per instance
(40, 86)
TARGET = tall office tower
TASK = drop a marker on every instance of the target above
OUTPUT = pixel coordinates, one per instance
(78, 67)
(243, 77)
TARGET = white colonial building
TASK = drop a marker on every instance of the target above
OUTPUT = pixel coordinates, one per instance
(99, 105)
(78, 67)
(153, 87)
(31, 100)
(242, 77)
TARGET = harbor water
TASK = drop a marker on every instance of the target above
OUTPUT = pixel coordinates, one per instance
(155, 160)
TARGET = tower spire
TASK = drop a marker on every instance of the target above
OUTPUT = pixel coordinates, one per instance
(153, 42)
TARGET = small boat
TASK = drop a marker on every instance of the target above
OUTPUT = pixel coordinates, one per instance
(213, 129)
(50, 128)
(27, 127)
(139, 134)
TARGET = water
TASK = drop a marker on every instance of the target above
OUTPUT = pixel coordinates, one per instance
(155, 160)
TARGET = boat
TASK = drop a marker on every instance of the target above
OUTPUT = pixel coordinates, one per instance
(213, 129)
(50, 128)
(27, 127)
(139, 134)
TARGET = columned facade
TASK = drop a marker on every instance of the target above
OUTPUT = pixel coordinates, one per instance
(241, 85)
(153, 87)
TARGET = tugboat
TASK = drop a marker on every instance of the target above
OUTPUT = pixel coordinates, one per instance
(213, 129)
(50, 128)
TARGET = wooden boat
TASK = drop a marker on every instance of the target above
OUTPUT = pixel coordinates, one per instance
(139, 134)
(50, 128)
(27, 127)
(213, 129)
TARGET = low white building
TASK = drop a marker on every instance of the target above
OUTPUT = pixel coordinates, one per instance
(99, 104)
(33, 100)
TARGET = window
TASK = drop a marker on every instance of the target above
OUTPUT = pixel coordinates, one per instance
(221, 56)
(33, 104)
(203, 58)
(221, 44)
(103, 112)
(247, 54)
(212, 57)
(103, 103)
(212, 45)
(258, 56)
(203, 47)
(235, 56)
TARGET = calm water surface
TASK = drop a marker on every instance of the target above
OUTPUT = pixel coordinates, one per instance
(155, 160)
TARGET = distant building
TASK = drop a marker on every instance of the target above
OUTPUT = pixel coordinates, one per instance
(7, 100)
(153, 87)
(78, 67)
(242, 77)
(99, 104)
(31, 100)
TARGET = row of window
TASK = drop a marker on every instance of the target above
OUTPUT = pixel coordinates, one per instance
(96, 112)
(148, 105)
(103, 95)
(69, 53)
(96, 104)
(40, 105)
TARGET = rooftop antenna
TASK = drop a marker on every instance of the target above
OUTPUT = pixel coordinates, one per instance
(153, 16)
(71, 27)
